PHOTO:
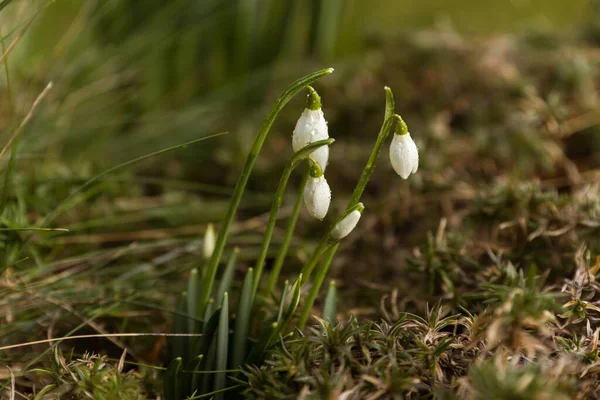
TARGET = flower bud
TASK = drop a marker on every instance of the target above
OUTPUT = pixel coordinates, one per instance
(208, 245)
(317, 196)
(404, 155)
(312, 127)
(345, 226)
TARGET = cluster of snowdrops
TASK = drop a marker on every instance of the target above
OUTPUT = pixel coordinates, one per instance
(312, 127)
(222, 337)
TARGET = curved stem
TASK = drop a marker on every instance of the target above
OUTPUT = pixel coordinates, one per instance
(318, 283)
(277, 200)
(383, 134)
(326, 241)
(281, 101)
(315, 257)
(287, 238)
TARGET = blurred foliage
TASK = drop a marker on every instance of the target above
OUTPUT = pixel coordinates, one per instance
(163, 73)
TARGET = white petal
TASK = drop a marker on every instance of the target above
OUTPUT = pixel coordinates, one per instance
(404, 155)
(415, 155)
(317, 197)
(321, 155)
(311, 127)
(345, 226)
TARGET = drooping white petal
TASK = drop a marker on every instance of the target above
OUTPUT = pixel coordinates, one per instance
(312, 127)
(345, 226)
(321, 155)
(404, 155)
(317, 197)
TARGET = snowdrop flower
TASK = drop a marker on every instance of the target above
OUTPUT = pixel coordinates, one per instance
(347, 225)
(312, 127)
(317, 195)
(208, 245)
(404, 155)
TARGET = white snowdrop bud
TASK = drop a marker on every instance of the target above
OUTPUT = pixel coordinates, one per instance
(208, 246)
(317, 197)
(404, 155)
(312, 127)
(345, 226)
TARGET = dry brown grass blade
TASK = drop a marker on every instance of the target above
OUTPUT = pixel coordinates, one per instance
(10, 48)
(105, 335)
(12, 384)
(18, 131)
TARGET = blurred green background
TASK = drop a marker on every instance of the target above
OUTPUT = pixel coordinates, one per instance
(158, 73)
(135, 76)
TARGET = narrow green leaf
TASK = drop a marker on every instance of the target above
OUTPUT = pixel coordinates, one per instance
(257, 353)
(45, 390)
(209, 365)
(286, 288)
(180, 326)
(330, 306)
(196, 378)
(209, 309)
(288, 304)
(291, 302)
(225, 284)
(209, 331)
(172, 385)
(192, 299)
(222, 346)
(208, 347)
(240, 334)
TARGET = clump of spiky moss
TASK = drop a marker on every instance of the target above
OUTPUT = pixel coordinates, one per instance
(522, 344)
(90, 376)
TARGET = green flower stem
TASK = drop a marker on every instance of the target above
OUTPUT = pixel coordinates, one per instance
(383, 134)
(287, 238)
(300, 156)
(281, 101)
(319, 279)
(326, 242)
(316, 256)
